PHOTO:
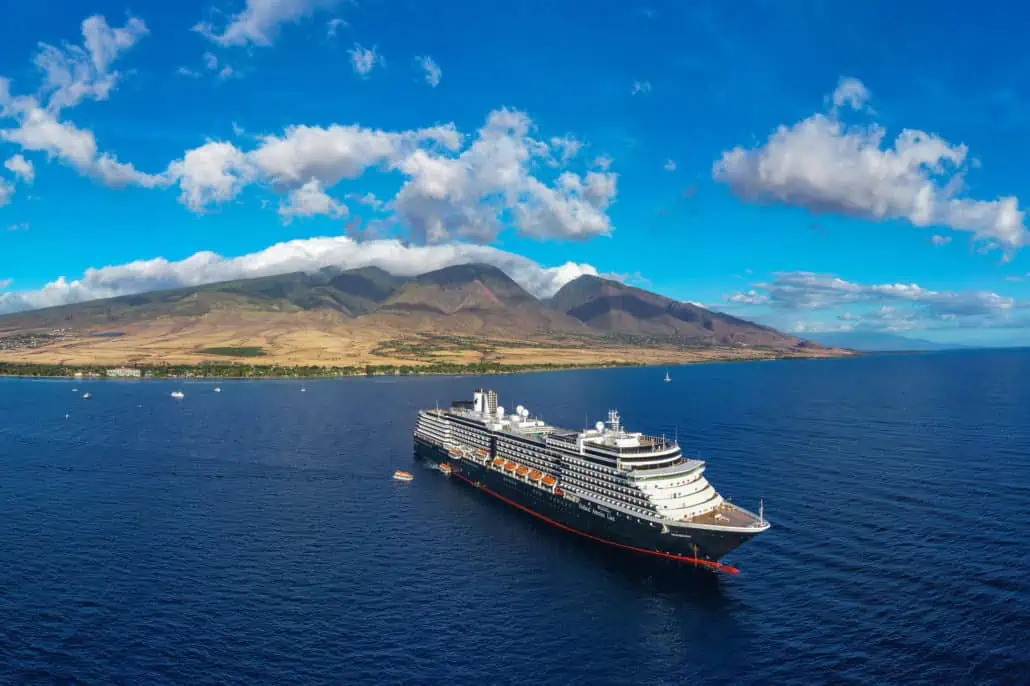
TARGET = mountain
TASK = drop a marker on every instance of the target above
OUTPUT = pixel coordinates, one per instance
(349, 293)
(471, 313)
(612, 307)
(474, 297)
(873, 341)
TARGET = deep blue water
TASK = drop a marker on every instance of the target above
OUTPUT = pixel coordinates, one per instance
(255, 536)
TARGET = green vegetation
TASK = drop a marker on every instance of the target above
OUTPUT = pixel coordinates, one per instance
(241, 351)
(253, 371)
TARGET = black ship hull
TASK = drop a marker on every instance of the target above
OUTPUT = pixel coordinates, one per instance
(603, 525)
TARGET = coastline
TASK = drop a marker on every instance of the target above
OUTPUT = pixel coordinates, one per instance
(235, 370)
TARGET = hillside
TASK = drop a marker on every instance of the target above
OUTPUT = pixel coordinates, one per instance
(464, 314)
(614, 308)
(474, 298)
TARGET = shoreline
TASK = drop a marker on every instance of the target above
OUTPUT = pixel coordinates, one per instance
(231, 371)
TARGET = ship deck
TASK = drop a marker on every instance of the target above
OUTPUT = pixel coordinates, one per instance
(730, 515)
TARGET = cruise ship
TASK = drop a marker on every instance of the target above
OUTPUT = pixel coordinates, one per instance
(621, 488)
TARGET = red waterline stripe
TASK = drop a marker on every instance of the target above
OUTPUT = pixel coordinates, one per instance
(657, 553)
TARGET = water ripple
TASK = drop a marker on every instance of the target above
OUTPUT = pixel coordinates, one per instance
(254, 536)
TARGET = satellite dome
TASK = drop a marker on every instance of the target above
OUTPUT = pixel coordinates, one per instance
(599, 426)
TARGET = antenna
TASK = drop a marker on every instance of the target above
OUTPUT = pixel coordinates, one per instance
(761, 512)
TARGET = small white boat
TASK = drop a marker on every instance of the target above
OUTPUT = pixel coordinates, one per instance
(179, 395)
(75, 390)
(217, 389)
(403, 476)
(667, 379)
(303, 390)
(87, 395)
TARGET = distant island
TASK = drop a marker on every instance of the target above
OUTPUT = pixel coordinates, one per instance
(468, 318)
(881, 341)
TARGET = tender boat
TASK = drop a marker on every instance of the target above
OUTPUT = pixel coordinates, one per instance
(87, 395)
(217, 389)
(179, 395)
(446, 469)
(401, 475)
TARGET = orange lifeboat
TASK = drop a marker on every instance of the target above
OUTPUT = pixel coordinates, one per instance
(509, 466)
(550, 480)
(522, 470)
(498, 462)
(482, 452)
(535, 475)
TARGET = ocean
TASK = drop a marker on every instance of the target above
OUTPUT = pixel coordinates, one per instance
(255, 536)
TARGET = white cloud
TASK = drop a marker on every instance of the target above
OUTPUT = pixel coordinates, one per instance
(448, 192)
(602, 162)
(333, 26)
(39, 130)
(310, 200)
(896, 306)
(670, 165)
(21, 168)
(23, 226)
(851, 92)
(214, 173)
(472, 194)
(6, 192)
(368, 200)
(299, 255)
(72, 73)
(939, 240)
(339, 152)
(431, 69)
(643, 87)
(566, 147)
(187, 72)
(4, 283)
(364, 60)
(258, 23)
(825, 166)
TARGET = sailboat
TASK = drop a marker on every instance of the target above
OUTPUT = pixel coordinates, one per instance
(667, 379)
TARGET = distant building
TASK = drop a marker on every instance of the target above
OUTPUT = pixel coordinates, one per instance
(125, 372)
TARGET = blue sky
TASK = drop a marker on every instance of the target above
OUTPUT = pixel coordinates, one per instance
(548, 136)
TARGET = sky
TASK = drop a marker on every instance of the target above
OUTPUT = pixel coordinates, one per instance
(814, 166)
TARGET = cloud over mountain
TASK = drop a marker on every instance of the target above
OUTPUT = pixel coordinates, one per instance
(299, 255)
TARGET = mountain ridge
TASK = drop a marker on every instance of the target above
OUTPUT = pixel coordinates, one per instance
(469, 312)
